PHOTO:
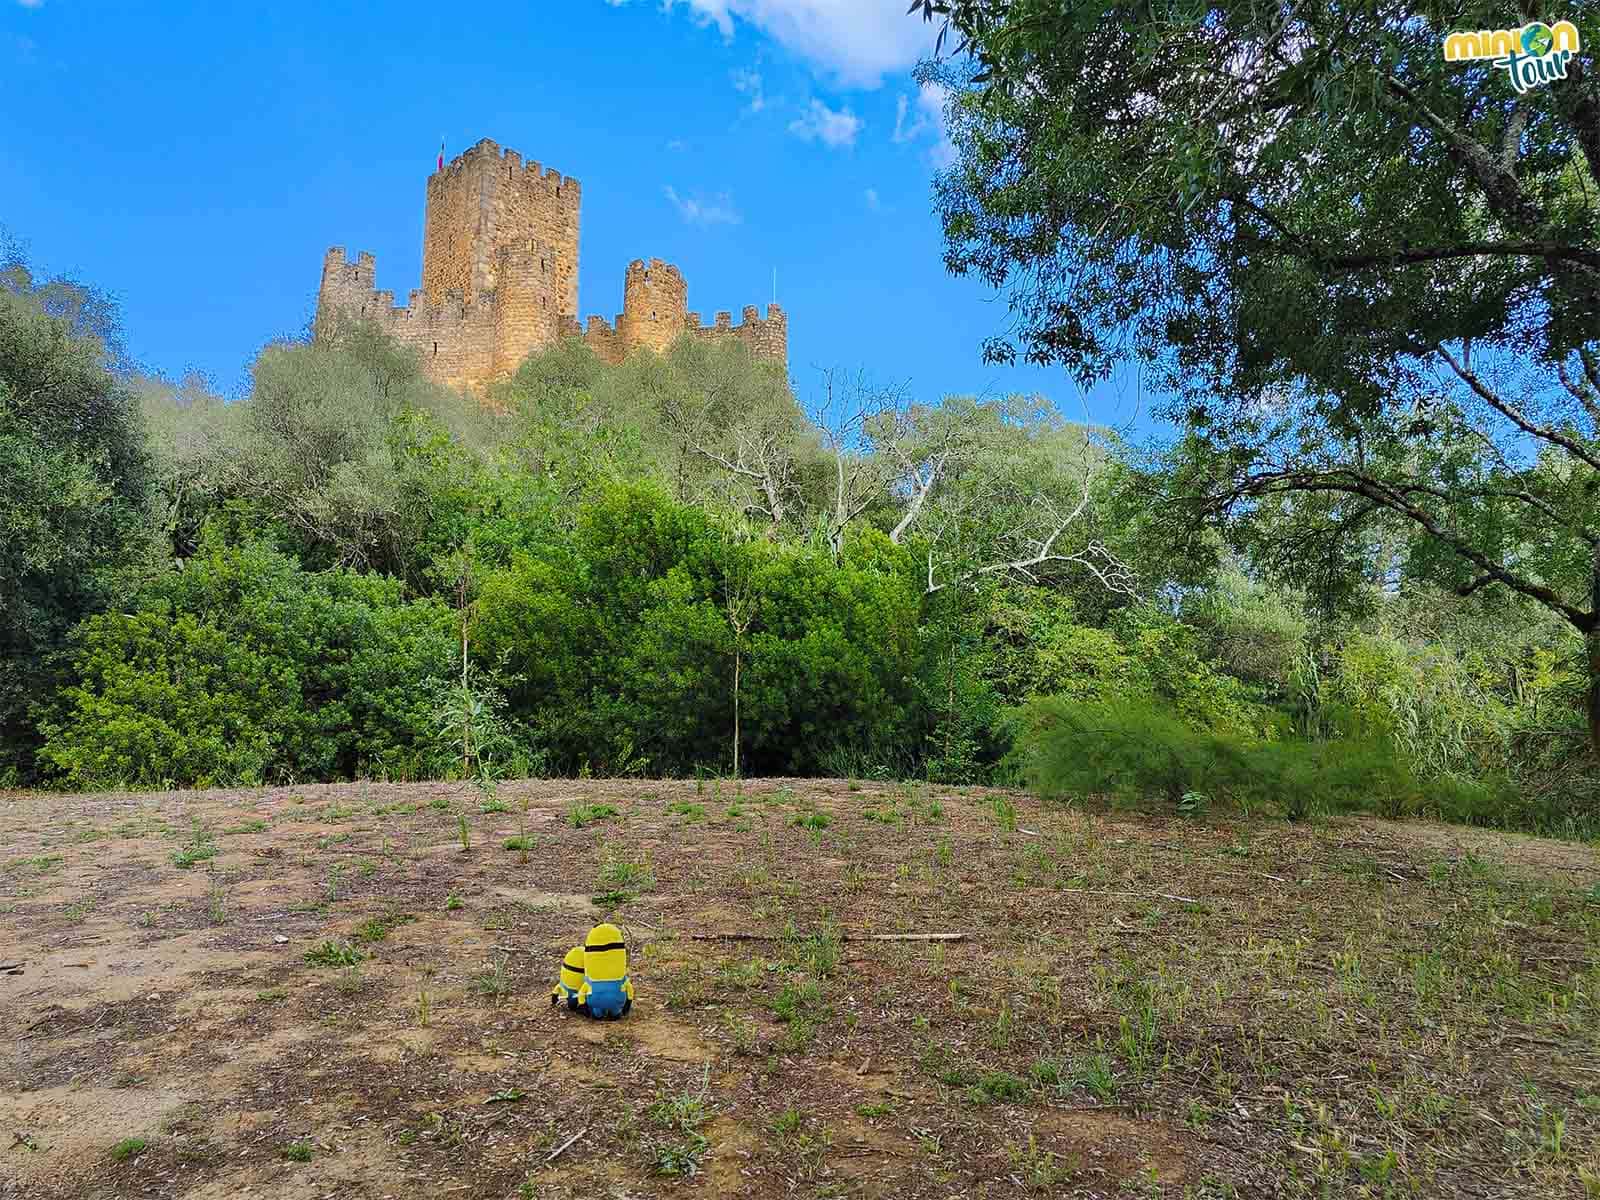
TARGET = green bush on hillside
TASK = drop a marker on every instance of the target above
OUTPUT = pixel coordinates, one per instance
(243, 668)
(1068, 748)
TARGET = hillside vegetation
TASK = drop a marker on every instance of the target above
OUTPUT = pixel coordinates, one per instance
(649, 569)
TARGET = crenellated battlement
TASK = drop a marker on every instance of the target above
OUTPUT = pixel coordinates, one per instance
(767, 337)
(488, 157)
(348, 288)
(500, 279)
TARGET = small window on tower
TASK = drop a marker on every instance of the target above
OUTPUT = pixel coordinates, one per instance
(652, 314)
(436, 349)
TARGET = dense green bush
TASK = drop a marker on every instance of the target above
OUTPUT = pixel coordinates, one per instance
(1068, 748)
(619, 641)
(242, 667)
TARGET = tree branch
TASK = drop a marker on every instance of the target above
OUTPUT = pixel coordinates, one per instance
(1515, 415)
(1348, 482)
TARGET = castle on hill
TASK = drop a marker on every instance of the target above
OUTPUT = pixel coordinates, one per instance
(500, 280)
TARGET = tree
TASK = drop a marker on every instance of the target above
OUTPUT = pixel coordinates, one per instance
(1013, 497)
(1367, 278)
(735, 415)
(359, 459)
(74, 485)
(847, 412)
(740, 603)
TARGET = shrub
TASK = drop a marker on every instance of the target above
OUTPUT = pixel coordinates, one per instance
(619, 640)
(1133, 750)
(1121, 748)
(241, 667)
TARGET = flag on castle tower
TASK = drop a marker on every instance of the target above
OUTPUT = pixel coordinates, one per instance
(441, 154)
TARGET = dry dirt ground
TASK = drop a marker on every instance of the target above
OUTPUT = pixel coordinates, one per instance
(322, 991)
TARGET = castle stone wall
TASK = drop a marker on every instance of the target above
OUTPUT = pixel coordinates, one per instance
(500, 280)
(526, 310)
(767, 337)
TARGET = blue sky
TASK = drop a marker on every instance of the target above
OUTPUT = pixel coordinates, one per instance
(196, 160)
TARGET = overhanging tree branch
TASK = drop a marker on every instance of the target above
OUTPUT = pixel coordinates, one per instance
(1515, 415)
(1352, 483)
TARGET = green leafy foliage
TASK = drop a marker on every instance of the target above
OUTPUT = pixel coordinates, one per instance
(619, 640)
(631, 559)
(242, 668)
(75, 483)
(1369, 290)
(1071, 748)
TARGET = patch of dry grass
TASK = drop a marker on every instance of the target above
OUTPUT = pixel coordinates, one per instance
(1347, 1009)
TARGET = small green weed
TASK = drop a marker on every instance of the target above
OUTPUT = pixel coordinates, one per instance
(1005, 813)
(623, 876)
(1093, 1073)
(580, 814)
(330, 953)
(378, 928)
(493, 980)
(200, 848)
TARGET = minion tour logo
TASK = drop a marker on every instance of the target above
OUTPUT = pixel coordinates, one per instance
(1535, 54)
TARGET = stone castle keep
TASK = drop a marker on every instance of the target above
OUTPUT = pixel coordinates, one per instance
(500, 279)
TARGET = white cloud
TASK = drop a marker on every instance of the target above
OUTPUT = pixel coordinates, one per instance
(856, 42)
(924, 120)
(873, 203)
(718, 210)
(748, 83)
(31, 3)
(831, 127)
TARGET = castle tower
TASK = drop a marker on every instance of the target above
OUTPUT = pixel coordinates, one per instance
(487, 203)
(655, 306)
(347, 287)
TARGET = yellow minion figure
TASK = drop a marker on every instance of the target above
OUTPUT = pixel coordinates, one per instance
(570, 981)
(606, 991)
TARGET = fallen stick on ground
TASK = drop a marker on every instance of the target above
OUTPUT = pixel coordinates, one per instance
(844, 937)
(1134, 895)
(562, 1149)
(783, 937)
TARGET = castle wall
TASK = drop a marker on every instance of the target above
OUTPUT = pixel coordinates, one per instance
(525, 305)
(455, 340)
(766, 337)
(500, 280)
(600, 337)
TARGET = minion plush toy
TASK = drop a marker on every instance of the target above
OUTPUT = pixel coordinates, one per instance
(571, 980)
(606, 991)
